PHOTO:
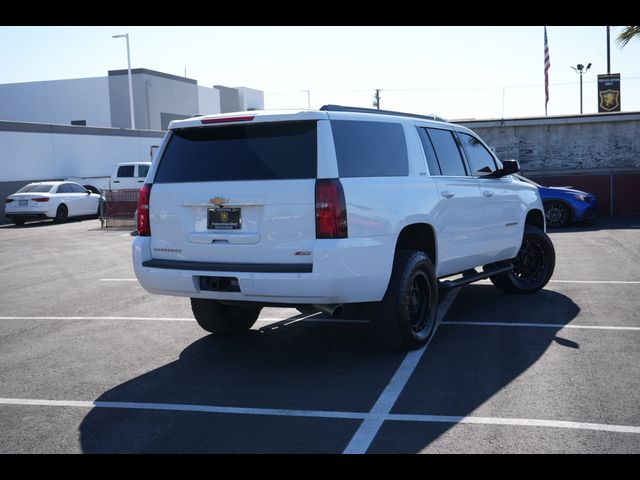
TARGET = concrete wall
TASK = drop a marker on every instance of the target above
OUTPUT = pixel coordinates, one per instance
(31, 152)
(57, 101)
(154, 93)
(586, 143)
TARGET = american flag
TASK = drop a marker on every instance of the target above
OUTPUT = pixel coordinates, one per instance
(547, 64)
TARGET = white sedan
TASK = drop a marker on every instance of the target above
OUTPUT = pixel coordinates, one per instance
(57, 200)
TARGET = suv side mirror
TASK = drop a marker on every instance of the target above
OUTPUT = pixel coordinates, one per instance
(509, 167)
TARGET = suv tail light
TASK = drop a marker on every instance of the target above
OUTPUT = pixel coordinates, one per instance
(40, 199)
(144, 227)
(331, 209)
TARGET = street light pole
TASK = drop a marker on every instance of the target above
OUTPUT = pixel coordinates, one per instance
(581, 70)
(133, 121)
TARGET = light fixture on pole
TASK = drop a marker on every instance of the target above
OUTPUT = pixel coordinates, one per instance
(581, 70)
(126, 36)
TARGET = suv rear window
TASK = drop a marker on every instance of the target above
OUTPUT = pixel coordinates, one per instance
(370, 149)
(261, 151)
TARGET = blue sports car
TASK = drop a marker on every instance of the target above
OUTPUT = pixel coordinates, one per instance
(564, 204)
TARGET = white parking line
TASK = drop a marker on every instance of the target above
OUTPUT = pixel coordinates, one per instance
(622, 282)
(182, 319)
(118, 279)
(283, 412)
(369, 428)
(144, 319)
(541, 325)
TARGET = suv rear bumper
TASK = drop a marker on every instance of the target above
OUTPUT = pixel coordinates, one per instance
(346, 270)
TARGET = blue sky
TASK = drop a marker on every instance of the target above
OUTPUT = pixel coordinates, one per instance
(456, 72)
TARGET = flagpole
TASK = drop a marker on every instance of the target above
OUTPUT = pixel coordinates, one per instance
(547, 64)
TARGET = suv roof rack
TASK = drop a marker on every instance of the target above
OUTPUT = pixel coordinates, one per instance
(343, 108)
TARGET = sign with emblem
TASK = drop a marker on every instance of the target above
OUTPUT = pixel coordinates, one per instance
(609, 92)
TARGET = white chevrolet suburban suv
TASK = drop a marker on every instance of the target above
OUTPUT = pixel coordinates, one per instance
(320, 209)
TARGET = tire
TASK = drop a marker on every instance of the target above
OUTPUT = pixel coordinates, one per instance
(18, 221)
(557, 214)
(406, 317)
(532, 268)
(221, 319)
(62, 213)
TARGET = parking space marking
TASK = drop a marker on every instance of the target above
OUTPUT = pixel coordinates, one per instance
(519, 422)
(371, 425)
(622, 282)
(374, 417)
(149, 319)
(541, 325)
(118, 279)
(279, 412)
(187, 319)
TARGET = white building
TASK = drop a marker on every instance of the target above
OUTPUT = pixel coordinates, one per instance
(104, 101)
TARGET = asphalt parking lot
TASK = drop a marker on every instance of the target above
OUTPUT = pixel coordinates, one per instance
(92, 363)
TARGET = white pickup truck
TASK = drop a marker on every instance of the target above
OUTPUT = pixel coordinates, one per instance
(125, 175)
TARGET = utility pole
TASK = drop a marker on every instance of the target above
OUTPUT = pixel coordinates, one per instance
(608, 52)
(376, 99)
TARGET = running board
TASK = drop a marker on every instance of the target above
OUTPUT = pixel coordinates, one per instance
(468, 277)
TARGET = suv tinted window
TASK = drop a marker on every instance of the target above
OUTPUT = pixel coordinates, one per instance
(262, 151)
(479, 157)
(370, 149)
(447, 152)
(65, 188)
(430, 153)
(77, 188)
(143, 170)
(125, 171)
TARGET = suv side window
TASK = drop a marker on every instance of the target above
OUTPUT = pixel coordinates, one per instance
(370, 149)
(77, 188)
(125, 171)
(65, 188)
(430, 153)
(447, 152)
(479, 157)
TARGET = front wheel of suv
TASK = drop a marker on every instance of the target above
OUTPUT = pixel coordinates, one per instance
(532, 268)
(215, 317)
(406, 317)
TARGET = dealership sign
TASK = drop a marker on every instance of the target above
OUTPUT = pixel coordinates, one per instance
(609, 92)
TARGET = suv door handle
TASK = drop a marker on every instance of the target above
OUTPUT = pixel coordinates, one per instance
(447, 194)
(487, 193)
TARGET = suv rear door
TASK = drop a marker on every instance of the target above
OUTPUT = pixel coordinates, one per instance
(239, 194)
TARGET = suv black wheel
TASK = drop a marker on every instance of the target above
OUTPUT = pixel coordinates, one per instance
(18, 221)
(532, 268)
(61, 214)
(406, 317)
(557, 214)
(215, 317)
